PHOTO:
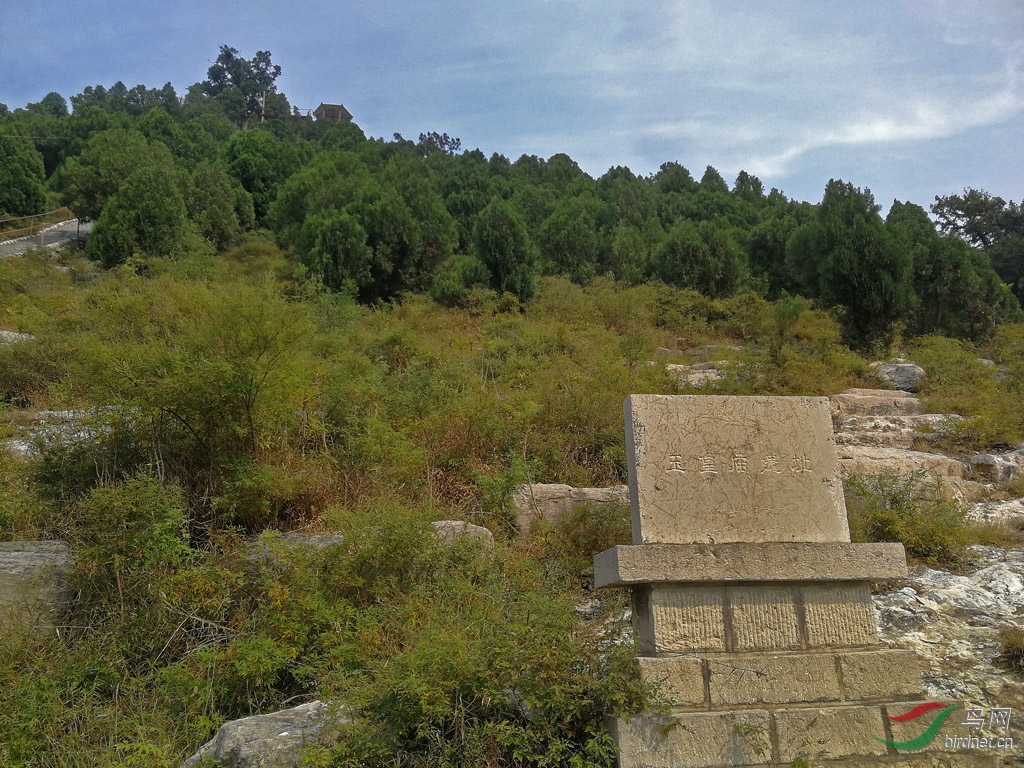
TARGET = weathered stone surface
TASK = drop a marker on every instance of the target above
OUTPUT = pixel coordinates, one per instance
(893, 431)
(549, 501)
(868, 460)
(680, 678)
(901, 375)
(275, 740)
(695, 740)
(763, 618)
(784, 679)
(953, 621)
(33, 582)
(829, 732)
(839, 615)
(874, 402)
(653, 563)
(999, 467)
(880, 674)
(723, 469)
(672, 618)
(450, 531)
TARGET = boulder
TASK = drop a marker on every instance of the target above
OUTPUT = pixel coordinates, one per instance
(902, 374)
(549, 501)
(999, 467)
(449, 531)
(34, 579)
(275, 740)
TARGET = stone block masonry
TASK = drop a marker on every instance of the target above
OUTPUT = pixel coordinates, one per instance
(752, 609)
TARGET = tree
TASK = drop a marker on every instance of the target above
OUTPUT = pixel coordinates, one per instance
(109, 159)
(570, 241)
(241, 85)
(146, 216)
(21, 176)
(960, 294)
(702, 257)
(847, 255)
(991, 224)
(503, 246)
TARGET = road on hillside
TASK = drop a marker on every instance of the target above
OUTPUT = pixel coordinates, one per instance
(54, 236)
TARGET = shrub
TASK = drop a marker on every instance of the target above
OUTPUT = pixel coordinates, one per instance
(1012, 644)
(908, 509)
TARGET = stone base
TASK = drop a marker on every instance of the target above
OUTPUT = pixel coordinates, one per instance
(823, 736)
(724, 681)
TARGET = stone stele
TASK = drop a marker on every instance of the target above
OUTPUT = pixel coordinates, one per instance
(733, 469)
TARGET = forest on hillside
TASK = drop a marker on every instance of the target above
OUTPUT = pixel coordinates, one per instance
(164, 177)
(280, 327)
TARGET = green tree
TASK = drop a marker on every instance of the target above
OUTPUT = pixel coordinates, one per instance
(960, 294)
(848, 259)
(702, 257)
(570, 242)
(242, 86)
(147, 216)
(990, 223)
(503, 245)
(22, 175)
(110, 157)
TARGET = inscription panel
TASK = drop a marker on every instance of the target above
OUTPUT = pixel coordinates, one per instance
(710, 469)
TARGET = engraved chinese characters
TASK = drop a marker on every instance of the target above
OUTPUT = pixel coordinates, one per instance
(733, 469)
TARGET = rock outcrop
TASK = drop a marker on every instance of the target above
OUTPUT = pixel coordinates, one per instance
(549, 501)
(33, 583)
(953, 623)
(11, 337)
(698, 374)
(275, 740)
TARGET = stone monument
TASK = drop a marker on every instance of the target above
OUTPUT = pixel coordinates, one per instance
(751, 607)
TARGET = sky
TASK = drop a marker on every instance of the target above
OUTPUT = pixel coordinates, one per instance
(910, 99)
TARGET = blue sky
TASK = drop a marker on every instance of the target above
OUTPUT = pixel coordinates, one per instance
(910, 99)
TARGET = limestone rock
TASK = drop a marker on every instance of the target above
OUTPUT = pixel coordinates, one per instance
(549, 501)
(1000, 467)
(33, 582)
(10, 337)
(902, 374)
(951, 475)
(953, 622)
(1006, 513)
(874, 402)
(449, 531)
(698, 374)
(275, 740)
(895, 431)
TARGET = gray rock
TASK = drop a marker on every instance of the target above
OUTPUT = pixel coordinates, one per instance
(10, 337)
(699, 374)
(953, 623)
(275, 740)
(450, 531)
(34, 583)
(999, 467)
(549, 501)
(901, 375)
